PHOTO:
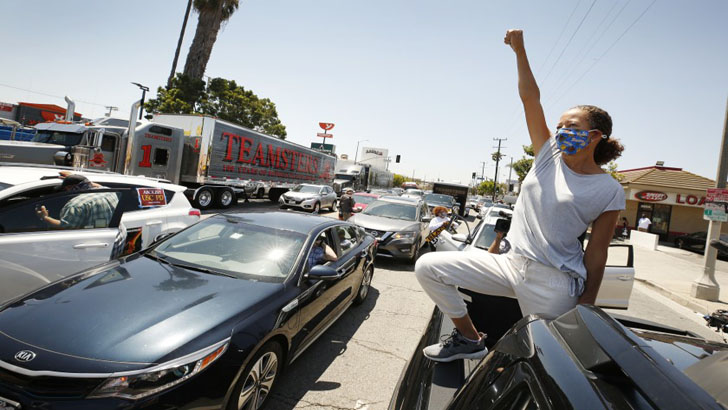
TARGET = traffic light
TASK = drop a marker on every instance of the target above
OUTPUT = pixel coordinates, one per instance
(397, 159)
(474, 175)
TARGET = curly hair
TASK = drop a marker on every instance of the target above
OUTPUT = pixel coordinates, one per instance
(439, 209)
(608, 149)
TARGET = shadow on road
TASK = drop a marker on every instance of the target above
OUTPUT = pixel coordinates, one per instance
(305, 373)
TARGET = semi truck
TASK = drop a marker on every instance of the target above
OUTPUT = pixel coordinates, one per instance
(360, 177)
(216, 160)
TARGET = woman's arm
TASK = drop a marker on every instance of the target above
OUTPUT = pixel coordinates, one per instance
(529, 92)
(495, 246)
(595, 256)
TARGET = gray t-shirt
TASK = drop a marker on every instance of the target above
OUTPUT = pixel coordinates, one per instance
(555, 206)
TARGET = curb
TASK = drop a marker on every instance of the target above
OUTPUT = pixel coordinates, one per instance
(696, 307)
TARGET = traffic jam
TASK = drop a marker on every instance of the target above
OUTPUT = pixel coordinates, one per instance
(196, 256)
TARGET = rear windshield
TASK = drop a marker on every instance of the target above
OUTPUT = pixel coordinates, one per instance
(361, 199)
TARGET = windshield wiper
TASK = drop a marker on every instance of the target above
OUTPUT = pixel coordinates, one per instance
(202, 269)
(157, 258)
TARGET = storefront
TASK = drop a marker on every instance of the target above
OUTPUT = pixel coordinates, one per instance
(670, 197)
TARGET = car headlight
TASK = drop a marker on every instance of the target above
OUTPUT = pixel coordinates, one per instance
(405, 235)
(135, 385)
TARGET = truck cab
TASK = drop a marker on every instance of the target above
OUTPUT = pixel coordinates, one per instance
(352, 176)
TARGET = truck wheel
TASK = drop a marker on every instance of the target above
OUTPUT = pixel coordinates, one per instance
(261, 193)
(204, 198)
(226, 198)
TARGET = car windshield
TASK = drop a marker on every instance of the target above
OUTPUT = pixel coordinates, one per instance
(55, 137)
(363, 199)
(229, 246)
(307, 189)
(486, 236)
(414, 192)
(439, 199)
(392, 210)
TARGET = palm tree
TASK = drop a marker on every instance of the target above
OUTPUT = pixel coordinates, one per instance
(212, 14)
(179, 43)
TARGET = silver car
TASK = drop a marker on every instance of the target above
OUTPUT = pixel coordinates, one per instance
(399, 224)
(309, 197)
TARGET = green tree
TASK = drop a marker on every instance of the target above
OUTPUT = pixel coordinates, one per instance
(398, 180)
(212, 13)
(220, 98)
(486, 188)
(497, 156)
(612, 170)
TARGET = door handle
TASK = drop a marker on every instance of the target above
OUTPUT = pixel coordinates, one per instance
(625, 277)
(91, 245)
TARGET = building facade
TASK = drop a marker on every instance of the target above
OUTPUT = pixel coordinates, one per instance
(671, 198)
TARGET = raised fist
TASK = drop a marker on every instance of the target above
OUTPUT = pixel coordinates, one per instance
(514, 38)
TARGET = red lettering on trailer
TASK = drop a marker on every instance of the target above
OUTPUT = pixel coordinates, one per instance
(245, 145)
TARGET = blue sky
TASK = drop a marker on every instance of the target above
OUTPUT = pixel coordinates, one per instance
(429, 80)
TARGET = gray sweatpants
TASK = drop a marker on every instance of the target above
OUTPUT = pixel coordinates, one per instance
(539, 288)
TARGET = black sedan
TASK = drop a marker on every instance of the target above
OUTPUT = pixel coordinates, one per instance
(696, 242)
(207, 318)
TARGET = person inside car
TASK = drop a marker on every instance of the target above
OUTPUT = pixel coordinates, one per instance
(565, 191)
(321, 252)
(83, 210)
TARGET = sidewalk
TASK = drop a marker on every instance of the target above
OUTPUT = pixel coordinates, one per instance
(672, 271)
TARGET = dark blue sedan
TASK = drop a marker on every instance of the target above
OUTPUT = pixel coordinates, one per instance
(206, 318)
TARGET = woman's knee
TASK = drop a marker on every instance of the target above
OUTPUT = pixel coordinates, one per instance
(423, 267)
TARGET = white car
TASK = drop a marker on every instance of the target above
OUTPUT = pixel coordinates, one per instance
(34, 253)
(493, 211)
(617, 282)
(309, 197)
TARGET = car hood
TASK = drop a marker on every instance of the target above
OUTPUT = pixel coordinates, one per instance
(381, 223)
(139, 311)
(299, 195)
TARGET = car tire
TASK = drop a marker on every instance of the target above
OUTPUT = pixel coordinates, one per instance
(680, 243)
(226, 198)
(333, 206)
(366, 281)
(416, 255)
(204, 198)
(316, 208)
(258, 379)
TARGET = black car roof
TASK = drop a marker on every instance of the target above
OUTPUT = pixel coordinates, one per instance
(289, 220)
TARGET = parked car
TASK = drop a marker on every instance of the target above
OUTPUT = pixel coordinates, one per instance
(617, 282)
(33, 253)
(399, 224)
(434, 200)
(413, 192)
(206, 318)
(696, 242)
(309, 197)
(584, 359)
(493, 210)
(363, 199)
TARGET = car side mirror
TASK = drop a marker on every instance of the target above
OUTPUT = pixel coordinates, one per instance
(426, 218)
(323, 272)
(460, 237)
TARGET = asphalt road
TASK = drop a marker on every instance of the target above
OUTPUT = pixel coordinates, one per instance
(357, 362)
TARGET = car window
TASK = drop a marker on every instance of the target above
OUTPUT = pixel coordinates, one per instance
(317, 254)
(348, 239)
(392, 210)
(72, 210)
(108, 143)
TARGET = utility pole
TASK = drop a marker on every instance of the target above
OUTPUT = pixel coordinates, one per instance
(706, 287)
(482, 171)
(510, 171)
(497, 161)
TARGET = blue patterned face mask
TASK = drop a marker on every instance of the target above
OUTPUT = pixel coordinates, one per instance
(571, 141)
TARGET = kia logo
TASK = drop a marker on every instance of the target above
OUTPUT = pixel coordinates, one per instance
(24, 356)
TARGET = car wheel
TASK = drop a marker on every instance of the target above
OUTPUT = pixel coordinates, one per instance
(680, 243)
(366, 281)
(204, 198)
(260, 193)
(333, 206)
(258, 378)
(226, 198)
(316, 208)
(417, 252)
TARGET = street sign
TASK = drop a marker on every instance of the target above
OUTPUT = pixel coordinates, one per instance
(326, 126)
(324, 135)
(716, 202)
(327, 148)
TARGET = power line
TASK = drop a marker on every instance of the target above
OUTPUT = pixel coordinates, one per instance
(607, 51)
(49, 95)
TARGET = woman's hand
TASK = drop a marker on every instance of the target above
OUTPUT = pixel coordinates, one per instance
(514, 38)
